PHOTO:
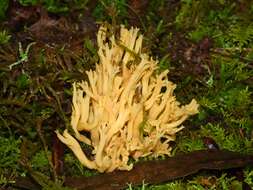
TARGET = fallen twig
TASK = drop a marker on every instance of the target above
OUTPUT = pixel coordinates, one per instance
(158, 171)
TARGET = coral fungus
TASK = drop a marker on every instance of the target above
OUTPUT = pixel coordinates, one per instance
(126, 106)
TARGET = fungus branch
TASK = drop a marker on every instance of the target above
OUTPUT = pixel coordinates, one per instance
(123, 107)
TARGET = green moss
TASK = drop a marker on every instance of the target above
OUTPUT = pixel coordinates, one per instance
(55, 6)
(196, 183)
(4, 37)
(107, 9)
(76, 168)
(3, 7)
(240, 35)
(186, 144)
(23, 81)
(9, 152)
(227, 138)
(40, 161)
(248, 174)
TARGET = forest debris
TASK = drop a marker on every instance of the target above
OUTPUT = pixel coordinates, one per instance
(57, 156)
(158, 171)
(154, 172)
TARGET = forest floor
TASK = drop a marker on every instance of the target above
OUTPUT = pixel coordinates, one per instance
(45, 46)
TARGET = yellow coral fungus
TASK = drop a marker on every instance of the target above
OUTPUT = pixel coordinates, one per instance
(127, 108)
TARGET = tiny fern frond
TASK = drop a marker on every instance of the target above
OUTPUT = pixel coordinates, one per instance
(241, 35)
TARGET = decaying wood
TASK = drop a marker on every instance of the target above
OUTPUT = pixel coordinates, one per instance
(153, 172)
(26, 183)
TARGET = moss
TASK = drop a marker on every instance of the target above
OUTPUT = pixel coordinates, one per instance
(9, 152)
(39, 162)
(226, 139)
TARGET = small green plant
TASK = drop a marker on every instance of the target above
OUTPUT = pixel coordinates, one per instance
(3, 7)
(200, 32)
(197, 183)
(190, 13)
(229, 140)
(4, 181)
(28, 2)
(54, 6)
(164, 63)
(175, 185)
(189, 145)
(90, 47)
(235, 98)
(240, 35)
(208, 103)
(23, 81)
(9, 152)
(109, 9)
(23, 55)
(248, 173)
(142, 187)
(213, 183)
(232, 71)
(76, 167)
(4, 37)
(40, 161)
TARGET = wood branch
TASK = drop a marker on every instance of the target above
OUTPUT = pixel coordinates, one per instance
(154, 172)
(159, 171)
